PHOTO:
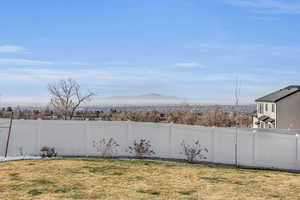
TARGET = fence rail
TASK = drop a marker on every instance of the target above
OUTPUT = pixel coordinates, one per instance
(272, 148)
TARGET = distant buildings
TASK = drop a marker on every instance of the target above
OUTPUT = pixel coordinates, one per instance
(280, 109)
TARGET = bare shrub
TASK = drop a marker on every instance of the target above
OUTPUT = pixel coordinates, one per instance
(107, 147)
(141, 148)
(48, 152)
(193, 151)
(21, 152)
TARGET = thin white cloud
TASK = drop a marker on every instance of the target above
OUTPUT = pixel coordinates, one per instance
(15, 61)
(236, 51)
(107, 75)
(268, 6)
(189, 65)
(232, 77)
(11, 49)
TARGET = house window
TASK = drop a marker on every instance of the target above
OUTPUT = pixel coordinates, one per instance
(273, 107)
(261, 108)
(267, 106)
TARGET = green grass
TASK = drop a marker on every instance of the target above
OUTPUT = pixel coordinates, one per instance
(152, 192)
(80, 196)
(43, 182)
(105, 169)
(214, 179)
(186, 192)
(14, 176)
(35, 192)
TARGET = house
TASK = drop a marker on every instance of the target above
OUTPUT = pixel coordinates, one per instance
(280, 109)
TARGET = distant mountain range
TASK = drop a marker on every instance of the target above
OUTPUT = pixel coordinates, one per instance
(144, 98)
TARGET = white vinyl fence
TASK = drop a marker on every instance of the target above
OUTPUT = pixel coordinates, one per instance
(263, 148)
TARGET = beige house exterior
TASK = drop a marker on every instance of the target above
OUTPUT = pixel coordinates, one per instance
(280, 109)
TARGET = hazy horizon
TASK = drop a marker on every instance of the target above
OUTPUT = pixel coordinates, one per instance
(139, 100)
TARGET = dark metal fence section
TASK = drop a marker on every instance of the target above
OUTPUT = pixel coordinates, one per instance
(3, 125)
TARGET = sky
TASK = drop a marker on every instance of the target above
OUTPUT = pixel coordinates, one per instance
(191, 49)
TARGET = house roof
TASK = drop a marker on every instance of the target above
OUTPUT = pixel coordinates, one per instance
(271, 120)
(280, 94)
(263, 118)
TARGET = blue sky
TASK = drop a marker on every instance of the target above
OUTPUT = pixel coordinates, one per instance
(186, 48)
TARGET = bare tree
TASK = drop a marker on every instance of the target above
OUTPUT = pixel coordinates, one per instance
(66, 97)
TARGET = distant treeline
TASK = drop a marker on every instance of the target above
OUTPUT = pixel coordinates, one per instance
(214, 116)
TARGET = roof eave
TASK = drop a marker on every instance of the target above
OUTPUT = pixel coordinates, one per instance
(270, 101)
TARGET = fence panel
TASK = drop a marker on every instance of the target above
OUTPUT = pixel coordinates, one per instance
(225, 145)
(100, 130)
(190, 134)
(275, 150)
(255, 147)
(157, 134)
(23, 139)
(246, 147)
(66, 136)
(4, 124)
(2, 141)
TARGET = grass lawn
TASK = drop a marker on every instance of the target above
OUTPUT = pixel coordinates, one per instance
(122, 179)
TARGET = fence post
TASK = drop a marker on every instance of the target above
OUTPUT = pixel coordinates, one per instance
(38, 143)
(170, 139)
(127, 134)
(8, 134)
(253, 148)
(297, 160)
(236, 146)
(213, 144)
(86, 138)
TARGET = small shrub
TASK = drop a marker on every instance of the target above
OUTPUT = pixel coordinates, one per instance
(106, 147)
(48, 152)
(141, 148)
(21, 152)
(194, 151)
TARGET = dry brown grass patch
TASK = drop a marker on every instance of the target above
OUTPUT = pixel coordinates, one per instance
(121, 179)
